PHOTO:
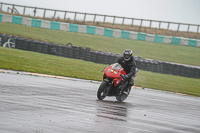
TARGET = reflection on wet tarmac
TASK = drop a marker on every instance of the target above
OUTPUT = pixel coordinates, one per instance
(31, 104)
(111, 110)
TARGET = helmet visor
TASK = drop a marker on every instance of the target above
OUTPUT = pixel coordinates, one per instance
(126, 56)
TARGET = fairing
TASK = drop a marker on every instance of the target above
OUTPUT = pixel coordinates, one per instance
(113, 71)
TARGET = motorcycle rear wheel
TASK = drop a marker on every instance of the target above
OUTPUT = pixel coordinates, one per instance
(101, 93)
(123, 96)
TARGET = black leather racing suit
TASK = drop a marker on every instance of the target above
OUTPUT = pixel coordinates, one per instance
(129, 67)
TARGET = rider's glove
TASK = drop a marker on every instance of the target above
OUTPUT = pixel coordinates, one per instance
(126, 76)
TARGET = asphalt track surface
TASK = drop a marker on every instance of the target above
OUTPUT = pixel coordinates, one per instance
(36, 104)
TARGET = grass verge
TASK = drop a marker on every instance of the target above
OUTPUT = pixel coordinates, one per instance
(15, 59)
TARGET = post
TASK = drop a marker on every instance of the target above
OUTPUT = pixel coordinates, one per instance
(24, 10)
(132, 22)
(94, 18)
(65, 15)
(54, 14)
(141, 23)
(104, 19)
(113, 20)
(13, 8)
(159, 25)
(198, 29)
(1, 6)
(34, 11)
(75, 16)
(188, 28)
(178, 27)
(16, 11)
(150, 24)
(44, 13)
(168, 26)
(84, 18)
(123, 21)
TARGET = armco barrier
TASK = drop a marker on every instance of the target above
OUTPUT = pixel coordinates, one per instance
(26, 21)
(82, 29)
(176, 40)
(36, 23)
(64, 26)
(1, 17)
(102, 57)
(159, 38)
(7, 18)
(98, 30)
(91, 29)
(125, 34)
(16, 19)
(117, 33)
(192, 42)
(141, 36)
(73, 27)
(108, 32)
(55, 25)
(45, 24)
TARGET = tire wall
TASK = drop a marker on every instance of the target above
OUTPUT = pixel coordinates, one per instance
(102, 57)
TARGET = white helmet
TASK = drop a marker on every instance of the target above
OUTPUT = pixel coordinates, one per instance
(127, 54)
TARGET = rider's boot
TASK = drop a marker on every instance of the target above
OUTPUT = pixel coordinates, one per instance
(127, 89)
(128, 86)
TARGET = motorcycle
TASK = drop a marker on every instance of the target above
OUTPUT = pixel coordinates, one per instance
(114, 83)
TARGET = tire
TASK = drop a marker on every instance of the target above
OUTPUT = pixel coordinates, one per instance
(101, 93)
(9, 45)
(123, 97)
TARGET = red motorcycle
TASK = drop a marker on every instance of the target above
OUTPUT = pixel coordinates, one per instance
(113, 83)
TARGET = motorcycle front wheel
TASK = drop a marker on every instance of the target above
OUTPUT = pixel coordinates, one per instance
(122, 97)
(101, 93)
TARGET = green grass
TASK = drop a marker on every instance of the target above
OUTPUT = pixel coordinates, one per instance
(165, 52)
(15, 59)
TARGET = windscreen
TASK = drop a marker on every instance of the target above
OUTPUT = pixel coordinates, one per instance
(116, 66)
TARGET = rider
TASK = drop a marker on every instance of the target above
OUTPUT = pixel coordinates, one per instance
(128, 63)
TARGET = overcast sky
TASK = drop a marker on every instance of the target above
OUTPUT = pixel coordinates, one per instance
(182, 11)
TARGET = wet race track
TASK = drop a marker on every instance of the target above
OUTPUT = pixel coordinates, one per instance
(35, 104)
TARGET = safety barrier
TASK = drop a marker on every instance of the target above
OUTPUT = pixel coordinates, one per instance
(84, 53)
(99, 31)
(66, 17)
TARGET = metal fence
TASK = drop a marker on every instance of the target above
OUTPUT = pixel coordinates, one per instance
(132, 21)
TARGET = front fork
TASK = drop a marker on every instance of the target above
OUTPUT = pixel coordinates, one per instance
(108, 89)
